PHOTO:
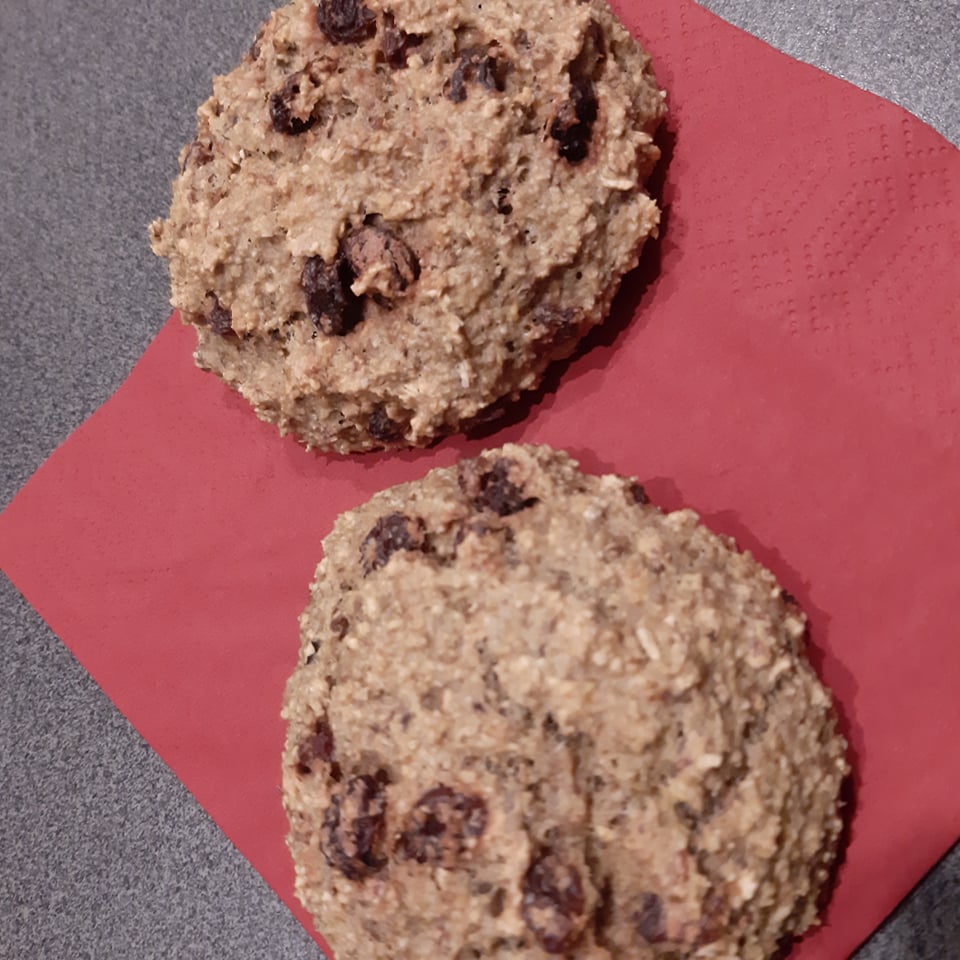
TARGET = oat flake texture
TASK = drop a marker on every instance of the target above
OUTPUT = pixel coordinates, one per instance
(396, 214)
(533, 715)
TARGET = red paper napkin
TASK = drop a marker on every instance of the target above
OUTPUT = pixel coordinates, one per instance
(784, 361)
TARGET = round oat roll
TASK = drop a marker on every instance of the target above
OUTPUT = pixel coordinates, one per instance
(397, 213)
(535, 716)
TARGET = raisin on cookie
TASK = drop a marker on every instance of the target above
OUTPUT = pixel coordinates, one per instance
(535, 716)
(396, 213)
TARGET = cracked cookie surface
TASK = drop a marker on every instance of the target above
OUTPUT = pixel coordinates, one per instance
(398, 212)
(535, 716)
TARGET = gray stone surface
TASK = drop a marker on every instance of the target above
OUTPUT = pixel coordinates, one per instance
(104, 854)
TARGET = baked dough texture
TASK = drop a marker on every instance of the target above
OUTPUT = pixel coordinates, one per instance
(396, 213)
(535, 716)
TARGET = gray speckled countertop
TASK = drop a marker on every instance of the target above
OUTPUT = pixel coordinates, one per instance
(104, 854)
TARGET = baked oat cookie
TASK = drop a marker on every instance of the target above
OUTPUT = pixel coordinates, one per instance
(398, 212)
(534, 715)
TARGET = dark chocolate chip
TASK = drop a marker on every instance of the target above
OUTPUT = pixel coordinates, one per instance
(603, 912)
(687, 815)
(714, 915)
(638, 494)
(497, 902)
(550, 726)
(339, 625)
(649, 920)
(441, 826)
(353, 827)
(331, 304)
(396, 43)
(282, 114)
(504, 206)
(382, 428)
(220, 319)
(553, 902)
(497, 492)
(476, 66)
(316, 749)
(198, 154)
(752, 731)
(391, 533)
(556, 327)
(345, 21)
(373, 246)
(254, 52)
(572, 125)
(492, 412)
